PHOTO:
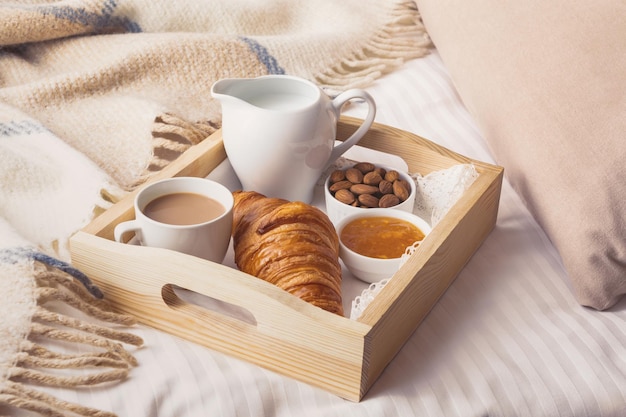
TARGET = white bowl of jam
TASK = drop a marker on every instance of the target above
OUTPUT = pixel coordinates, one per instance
(372, 242)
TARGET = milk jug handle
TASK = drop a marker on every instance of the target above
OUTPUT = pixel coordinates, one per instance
(337, 104)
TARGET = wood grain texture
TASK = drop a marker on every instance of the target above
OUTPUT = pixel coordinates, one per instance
(272, 328)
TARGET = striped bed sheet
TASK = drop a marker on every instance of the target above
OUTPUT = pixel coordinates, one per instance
(506, 339)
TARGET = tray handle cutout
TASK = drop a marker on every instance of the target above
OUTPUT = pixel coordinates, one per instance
(196, 304)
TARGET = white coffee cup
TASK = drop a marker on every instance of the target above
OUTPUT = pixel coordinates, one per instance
(207, 237)
(279, 132)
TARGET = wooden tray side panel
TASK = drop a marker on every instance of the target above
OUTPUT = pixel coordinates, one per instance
(401, 307)
(404, 303)
(278, 331)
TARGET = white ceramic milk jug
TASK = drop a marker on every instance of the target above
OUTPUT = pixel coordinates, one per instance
(279, 132)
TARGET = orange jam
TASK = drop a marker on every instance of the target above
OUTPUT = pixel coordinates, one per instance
(380, 237)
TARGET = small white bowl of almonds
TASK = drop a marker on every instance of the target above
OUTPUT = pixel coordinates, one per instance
(364, 186)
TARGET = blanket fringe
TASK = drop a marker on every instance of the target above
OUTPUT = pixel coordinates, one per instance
(19, 396)
(35, 364)
(404, 37)
(173, 135)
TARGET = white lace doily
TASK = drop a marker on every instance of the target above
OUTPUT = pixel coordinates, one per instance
(360, 302)
(436, 194)
(438, 191)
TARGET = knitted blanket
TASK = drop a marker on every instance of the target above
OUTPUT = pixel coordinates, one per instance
(98, 95)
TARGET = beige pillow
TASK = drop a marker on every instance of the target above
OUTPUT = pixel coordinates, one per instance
(546, 82)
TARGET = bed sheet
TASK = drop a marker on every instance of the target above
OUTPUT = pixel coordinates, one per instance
(506, 339)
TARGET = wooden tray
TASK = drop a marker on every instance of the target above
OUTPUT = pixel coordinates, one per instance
(272, 328)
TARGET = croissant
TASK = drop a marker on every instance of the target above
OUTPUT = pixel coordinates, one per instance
(292, 245)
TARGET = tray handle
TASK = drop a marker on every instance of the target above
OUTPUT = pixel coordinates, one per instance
(196, 304)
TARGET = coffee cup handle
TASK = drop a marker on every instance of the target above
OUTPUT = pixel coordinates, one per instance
(123, 228)
(337, 104)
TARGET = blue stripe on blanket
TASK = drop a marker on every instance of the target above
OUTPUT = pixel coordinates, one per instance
(102, 19)
(23, 127)
(13, 255)
(264, 56)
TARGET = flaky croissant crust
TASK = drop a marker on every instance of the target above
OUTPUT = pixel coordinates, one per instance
(292, 245)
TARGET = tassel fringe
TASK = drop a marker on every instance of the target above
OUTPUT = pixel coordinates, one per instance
(404, 37)
(19, 396)
(172, 136)
(107, 357)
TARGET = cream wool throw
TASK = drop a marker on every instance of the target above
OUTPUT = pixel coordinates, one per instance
(95, 97)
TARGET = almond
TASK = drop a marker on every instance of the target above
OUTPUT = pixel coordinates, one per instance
(354, 175)
(401, 190)
(368, 200)
(365, 167)
(336, 176)
(385, 187)
(345, 196)
(392, 175)
(405, 183)
(341, 185)
(372, 178)
(359, 189)
(388, 200)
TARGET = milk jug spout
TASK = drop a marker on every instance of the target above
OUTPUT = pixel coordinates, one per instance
(230, 90)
